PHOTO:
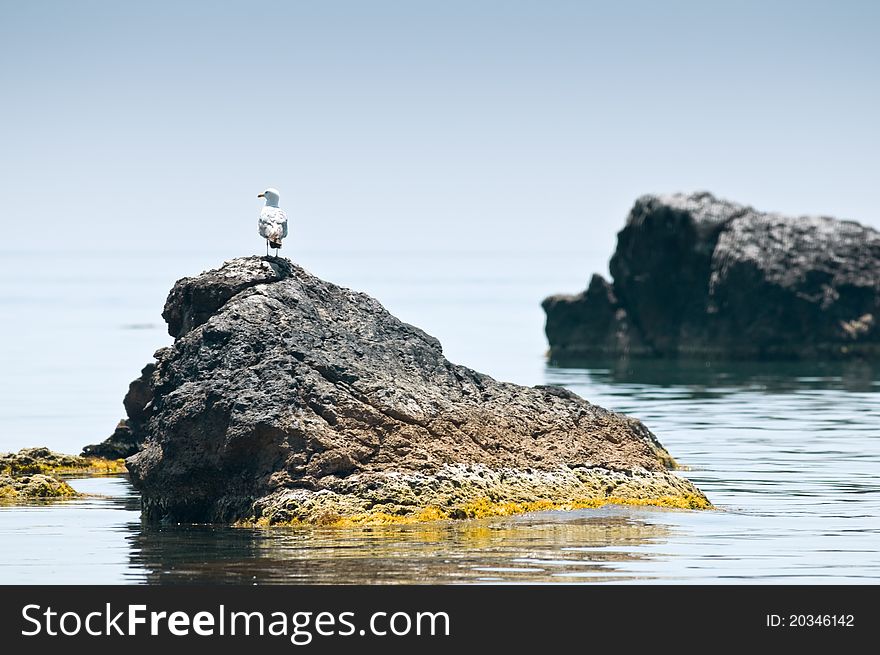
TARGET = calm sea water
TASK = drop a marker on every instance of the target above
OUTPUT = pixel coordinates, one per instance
(789, 454)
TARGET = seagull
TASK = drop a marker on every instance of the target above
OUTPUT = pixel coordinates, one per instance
(273, 221)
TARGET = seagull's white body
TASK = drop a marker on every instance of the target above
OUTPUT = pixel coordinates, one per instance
(273, 224)
(273, 221)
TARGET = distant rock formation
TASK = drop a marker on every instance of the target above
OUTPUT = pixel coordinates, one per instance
(698, 276)
(287, 399)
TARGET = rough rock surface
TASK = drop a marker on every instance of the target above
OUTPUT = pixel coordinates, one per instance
(694, 275)
(285, 399)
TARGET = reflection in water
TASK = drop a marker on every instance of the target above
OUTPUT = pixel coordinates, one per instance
(75, 541)
(533, 548)
(788, 452)
(696, 375)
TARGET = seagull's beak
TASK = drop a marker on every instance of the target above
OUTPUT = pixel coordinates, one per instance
(261, 195)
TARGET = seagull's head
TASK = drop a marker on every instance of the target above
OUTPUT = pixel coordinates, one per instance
(271, 195)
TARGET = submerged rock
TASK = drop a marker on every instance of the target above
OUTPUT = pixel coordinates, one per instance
(31, 472)
(698, 276)
(287, 399)
(43, 460)
(34, 486)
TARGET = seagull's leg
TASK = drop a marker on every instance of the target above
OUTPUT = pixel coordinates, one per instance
(267, 247)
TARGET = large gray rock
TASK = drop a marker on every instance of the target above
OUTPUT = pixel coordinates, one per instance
(698, 276)
(285, 398)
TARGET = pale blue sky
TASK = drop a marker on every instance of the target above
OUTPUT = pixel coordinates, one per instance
(386, 125)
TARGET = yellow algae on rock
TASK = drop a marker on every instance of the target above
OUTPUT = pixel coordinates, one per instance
(33, 473)
(34, 486)
(42, 460)
(475, 508)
